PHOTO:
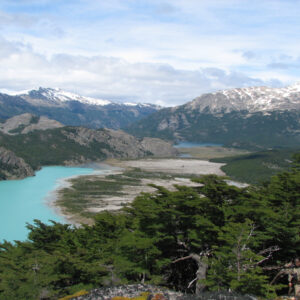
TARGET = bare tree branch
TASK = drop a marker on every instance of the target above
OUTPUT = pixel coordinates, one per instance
(190, 284)
(180, 243)
(181, 258)
(249, 236)
(270, 249)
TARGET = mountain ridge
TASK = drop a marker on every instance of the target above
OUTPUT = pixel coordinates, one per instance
(256, 117)
(251, 99)
(73, 109)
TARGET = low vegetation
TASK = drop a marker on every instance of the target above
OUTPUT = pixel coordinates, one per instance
(213, 237)
(211, 152)
(88, 191)
(257, 167)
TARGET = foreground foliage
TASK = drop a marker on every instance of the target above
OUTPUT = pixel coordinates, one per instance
(214, 237)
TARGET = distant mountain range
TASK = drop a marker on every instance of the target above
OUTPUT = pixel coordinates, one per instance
(254, 117)
(72, 109)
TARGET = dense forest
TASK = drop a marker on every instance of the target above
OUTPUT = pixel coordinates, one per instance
(213, 237)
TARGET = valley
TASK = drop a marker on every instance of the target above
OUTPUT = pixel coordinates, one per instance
(88, 195)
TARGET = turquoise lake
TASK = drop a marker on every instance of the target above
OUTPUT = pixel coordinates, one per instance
(22, 201)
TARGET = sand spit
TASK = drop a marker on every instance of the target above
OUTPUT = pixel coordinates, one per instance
(131, 192)
(178, 166)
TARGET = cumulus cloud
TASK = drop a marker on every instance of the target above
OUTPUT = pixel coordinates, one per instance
(111, 78)
(165, 52)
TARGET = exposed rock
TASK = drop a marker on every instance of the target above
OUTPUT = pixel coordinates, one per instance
(151, 292)
(130, 291)
(43, 124)
(121, 144)
(25, 123)
(16, 122)
(158, 147)
(12, 166)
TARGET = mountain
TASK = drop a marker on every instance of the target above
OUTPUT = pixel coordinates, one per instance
(27, 146)
(72, 109)
(253, 117)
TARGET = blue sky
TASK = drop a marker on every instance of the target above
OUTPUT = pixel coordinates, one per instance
(165, 52)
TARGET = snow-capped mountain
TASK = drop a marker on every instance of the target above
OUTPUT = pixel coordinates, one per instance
(251, 99)
(73, 109)
(59, 96)
(246, 117)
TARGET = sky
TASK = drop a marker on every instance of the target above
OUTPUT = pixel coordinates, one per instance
(163, 52)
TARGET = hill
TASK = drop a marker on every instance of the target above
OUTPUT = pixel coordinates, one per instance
(68, 145)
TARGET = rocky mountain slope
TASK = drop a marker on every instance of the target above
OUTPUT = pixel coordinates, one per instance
(12, 166)
(67, 146)
(72, 109)
(26, 123)
(255, 117)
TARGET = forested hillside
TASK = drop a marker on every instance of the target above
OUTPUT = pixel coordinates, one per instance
(257, 167)
(214, 237)
(20, 154)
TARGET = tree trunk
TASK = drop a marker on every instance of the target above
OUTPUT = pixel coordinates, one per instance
(201, 272)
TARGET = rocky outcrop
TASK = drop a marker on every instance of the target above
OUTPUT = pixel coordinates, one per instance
(121, 144)
(43, 124)
(26, 123)
(150, 292)
(12, 166)
(158, 147)
(131, 291)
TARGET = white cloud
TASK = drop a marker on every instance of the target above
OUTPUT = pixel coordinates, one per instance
(111, 78)
(150, 50)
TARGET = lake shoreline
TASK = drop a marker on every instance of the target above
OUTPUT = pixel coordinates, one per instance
(176, 171)
(99, 169)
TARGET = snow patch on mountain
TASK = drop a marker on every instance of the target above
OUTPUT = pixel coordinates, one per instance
(56, 95)
(252, 99)
(64, 96)
(14, 93)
